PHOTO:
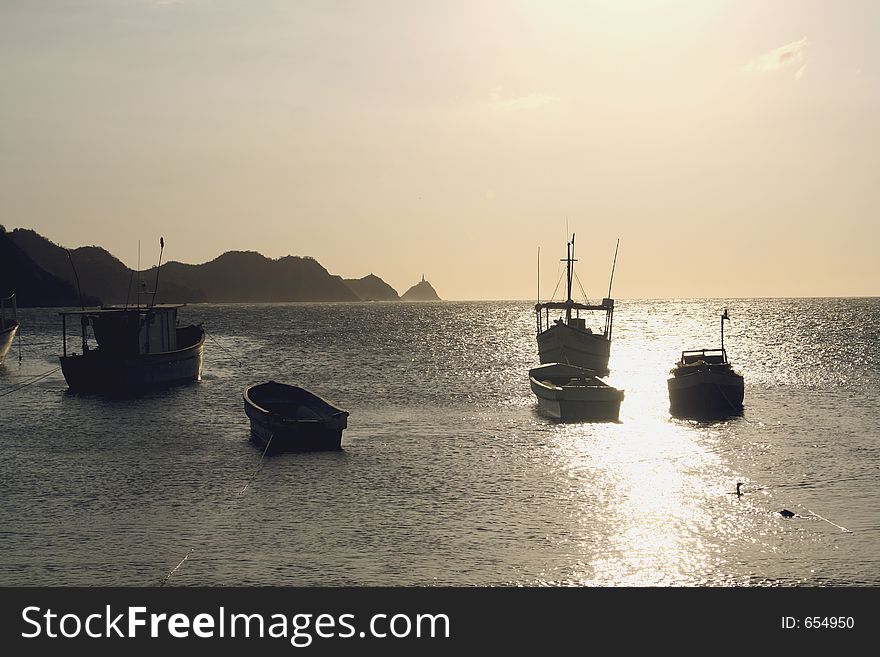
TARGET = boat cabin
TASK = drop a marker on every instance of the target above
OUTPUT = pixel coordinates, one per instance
(572, 315)
(127, 331)
(707, 356)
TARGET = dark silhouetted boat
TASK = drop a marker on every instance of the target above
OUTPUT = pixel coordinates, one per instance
(8, 326)
(137, 348)
(703, 382)
(568, 339)
(571, 393)
(289, 418)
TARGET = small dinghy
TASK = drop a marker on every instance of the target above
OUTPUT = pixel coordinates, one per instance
(289, 418)
(571, 393)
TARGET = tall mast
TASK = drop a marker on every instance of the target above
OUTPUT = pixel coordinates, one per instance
(613, 265)
(569, 270)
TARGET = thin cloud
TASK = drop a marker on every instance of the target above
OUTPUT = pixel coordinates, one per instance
(792, 55)
(520, 103)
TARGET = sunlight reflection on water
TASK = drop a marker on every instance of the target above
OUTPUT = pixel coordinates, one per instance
(450, 475)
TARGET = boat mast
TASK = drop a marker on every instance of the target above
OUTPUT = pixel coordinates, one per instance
(569, 262)
(159, 266)
(613, 265)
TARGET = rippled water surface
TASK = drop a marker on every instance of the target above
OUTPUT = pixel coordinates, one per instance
(449, 475)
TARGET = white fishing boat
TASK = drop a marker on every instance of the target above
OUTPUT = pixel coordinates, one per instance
(134, 348)
(570, 393)
(567, 338)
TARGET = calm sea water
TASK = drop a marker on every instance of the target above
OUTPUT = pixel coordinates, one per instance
(449, 474)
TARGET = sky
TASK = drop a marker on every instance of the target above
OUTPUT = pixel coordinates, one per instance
(732, 147)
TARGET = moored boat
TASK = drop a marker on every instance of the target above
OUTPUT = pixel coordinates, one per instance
(138, 347)
(571, 393)
(568, 339)
(8, 326)
(703, 382)
(289, 418)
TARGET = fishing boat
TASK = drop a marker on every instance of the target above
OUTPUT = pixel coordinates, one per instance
(135, 348)
(571, 393)
(703, 382)
(8, 326)
(289, 418)
(567, 338)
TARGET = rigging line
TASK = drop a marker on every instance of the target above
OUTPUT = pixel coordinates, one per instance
(18, 386)
(583, 292)
(228, 353)
(553, 296)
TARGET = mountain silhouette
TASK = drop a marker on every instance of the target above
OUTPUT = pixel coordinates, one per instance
(100, 273)
(33, 285)
(232, 277)
(372, 288)
(421, 291)
(247, 276)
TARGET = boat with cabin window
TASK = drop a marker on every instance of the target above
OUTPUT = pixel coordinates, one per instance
(703, 382)
(567, 338)
(135, 348)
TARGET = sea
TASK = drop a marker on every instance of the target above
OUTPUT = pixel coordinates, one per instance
(449, 473)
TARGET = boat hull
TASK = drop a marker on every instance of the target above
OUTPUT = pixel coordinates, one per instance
(706, 392)
(574, 402)
(7, 335)
(566, 344)
(276, 431)
(99, 371)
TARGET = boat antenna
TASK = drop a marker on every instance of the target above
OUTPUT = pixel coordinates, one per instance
(137, 296)
(156, 286)
(723, 317)
(613, 265)
(76, 277)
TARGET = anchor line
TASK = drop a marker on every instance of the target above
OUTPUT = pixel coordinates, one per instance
(816, 515)
(730, 403)
(15, 387)
(174, 570)
(228, 353)
(231, 502)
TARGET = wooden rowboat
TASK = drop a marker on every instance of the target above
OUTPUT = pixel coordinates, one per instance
(570, 393)
(290, 418)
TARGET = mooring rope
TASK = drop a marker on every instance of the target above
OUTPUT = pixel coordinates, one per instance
(816, 515)
(228, 353)
(15, 387)
(231, 502)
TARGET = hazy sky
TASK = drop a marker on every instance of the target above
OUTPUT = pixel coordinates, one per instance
(733, 147)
